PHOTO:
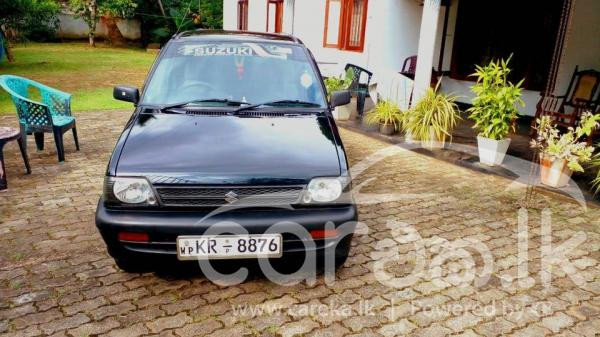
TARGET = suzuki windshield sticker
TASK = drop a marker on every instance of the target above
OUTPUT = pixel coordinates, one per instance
(244, 49)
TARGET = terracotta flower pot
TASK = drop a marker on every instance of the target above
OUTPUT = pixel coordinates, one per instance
(387, 129)
(369, 127)
(555, 173)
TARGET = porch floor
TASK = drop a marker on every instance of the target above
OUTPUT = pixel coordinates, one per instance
(463, 152)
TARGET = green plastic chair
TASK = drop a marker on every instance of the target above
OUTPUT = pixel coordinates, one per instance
(53, 114)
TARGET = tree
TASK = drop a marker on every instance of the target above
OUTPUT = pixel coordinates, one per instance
(180, 15)
(91, 10)
(19, 17)
(112, 9)
(88, 11)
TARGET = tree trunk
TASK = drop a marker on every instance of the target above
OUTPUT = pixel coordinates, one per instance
(9, 54)
(7, 46)
(114, 34)
(162, 9)
(93, 8)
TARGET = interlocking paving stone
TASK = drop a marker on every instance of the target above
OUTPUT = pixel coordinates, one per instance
(557, 322)
(57, 279)
(399, 328)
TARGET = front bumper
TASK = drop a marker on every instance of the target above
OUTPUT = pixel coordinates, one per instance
(163, 226)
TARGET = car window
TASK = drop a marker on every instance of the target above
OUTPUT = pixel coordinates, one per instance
(244, 71)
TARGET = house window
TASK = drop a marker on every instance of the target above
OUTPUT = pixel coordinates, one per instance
(529, 34)
(274, 16)
(345, 24)
(243, 15)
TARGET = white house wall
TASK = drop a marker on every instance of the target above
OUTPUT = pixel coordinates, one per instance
(230, 14)
(257, 15)
(392, 31)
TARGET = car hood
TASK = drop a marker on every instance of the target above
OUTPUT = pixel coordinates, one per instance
(171, 148)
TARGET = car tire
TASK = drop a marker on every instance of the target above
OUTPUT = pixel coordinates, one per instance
(341, 253)
(340, 260)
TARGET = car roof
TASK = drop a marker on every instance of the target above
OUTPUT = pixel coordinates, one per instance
(234, 35)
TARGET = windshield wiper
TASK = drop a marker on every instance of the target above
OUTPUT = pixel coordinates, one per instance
(208, 100)
(277, 102)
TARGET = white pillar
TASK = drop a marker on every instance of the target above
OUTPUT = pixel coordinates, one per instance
(288, 17)
(427, 37)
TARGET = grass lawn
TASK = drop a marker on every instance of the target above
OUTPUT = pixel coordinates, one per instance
(87, 73)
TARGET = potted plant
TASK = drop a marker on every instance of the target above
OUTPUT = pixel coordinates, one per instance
(494, 110)
(339, 83)
(432, 119)
(596, 163)
(562, 154)
(386, 115)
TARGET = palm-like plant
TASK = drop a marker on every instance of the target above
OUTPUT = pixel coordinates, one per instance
(434, 114)
(386, 112)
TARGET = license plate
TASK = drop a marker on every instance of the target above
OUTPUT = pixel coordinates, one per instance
(228, 246)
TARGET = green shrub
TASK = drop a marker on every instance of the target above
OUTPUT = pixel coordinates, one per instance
(494, 106)
(29, 18)
(338, 83)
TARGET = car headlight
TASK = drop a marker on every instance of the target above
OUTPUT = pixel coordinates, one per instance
(132, 190)
(323, 190)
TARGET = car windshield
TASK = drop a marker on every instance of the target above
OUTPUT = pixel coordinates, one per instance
(249, 72)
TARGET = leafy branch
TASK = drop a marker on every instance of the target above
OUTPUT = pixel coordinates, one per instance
(495, 105)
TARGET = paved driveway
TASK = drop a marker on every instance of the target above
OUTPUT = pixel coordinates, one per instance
(56, 277)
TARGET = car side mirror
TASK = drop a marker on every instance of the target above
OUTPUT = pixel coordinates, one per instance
(340, 98)
(126, 93)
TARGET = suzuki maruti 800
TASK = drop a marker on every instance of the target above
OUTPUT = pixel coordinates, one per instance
(231, 153)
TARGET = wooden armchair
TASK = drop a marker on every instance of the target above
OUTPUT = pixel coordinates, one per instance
(566, 109)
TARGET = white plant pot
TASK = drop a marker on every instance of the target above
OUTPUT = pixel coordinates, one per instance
(342, 113)
(352, 107)
(555, 173)
(491, 151)
(408, 138)
(432, 142)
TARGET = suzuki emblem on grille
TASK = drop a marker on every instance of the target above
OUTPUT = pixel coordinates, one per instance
(231, 197)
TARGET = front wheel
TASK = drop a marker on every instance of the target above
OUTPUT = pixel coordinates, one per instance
(340, 252)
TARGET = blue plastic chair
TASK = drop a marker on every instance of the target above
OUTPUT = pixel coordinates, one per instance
(53, 114)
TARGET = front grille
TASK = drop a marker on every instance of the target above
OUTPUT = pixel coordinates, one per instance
(202, 196)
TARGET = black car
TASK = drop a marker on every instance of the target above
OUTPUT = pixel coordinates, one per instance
(231, 153)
